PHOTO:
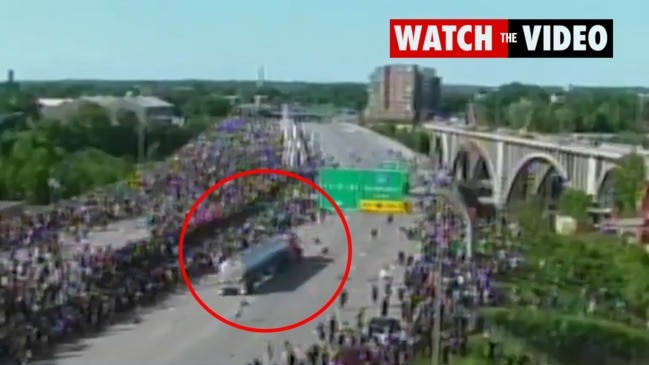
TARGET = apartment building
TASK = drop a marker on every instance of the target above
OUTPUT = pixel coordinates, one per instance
(403, 92)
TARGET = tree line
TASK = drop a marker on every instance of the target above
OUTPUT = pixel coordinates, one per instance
(534, 108)
(45, 159)
(185, 93)
(621, 111)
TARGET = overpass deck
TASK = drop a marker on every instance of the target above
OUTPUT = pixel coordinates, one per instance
(508, 155)
(559, 142)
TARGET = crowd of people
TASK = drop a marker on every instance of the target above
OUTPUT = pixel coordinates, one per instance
(387, 338)
(381, 340)
(58, 283)
(439, 297)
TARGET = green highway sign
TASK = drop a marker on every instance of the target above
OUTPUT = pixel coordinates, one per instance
(342, 185)
(348, 187)
(387, 185)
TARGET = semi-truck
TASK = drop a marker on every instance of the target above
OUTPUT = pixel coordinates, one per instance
(243, 274)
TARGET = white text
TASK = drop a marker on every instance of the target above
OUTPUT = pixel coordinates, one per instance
(560, 37)
(409, 38)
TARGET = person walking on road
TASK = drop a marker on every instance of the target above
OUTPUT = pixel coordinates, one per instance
(269, 353)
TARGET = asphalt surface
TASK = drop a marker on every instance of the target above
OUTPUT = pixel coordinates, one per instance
(116, 234)
(179, 331)
(342, 141)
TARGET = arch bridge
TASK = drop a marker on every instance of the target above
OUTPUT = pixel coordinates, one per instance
(506, 167)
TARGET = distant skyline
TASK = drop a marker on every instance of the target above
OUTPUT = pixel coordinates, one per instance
(313, 40)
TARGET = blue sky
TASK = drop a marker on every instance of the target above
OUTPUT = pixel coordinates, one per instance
(313, 40)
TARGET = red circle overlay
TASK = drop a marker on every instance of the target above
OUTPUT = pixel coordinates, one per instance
(325, 306)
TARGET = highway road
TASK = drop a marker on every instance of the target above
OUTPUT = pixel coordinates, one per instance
(179, 331)
(339, 140)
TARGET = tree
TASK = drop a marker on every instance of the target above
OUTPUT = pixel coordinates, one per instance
(28, 167)
(454, 103)
(216, 106)
(575, 203)
(83, 151)
(566, 118)
(127, 118)
(630, 177)
(530, 217)
(412, 138)
(520, 113)
(572, 339)
(210, 105)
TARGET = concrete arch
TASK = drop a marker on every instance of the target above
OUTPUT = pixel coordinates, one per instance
(604, 180)
(478, 167)
(522, 163)
(466, 148)
(544, 177)
(460, 159)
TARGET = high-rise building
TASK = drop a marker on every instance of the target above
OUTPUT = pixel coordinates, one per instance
(403, 92)
(10, 76)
